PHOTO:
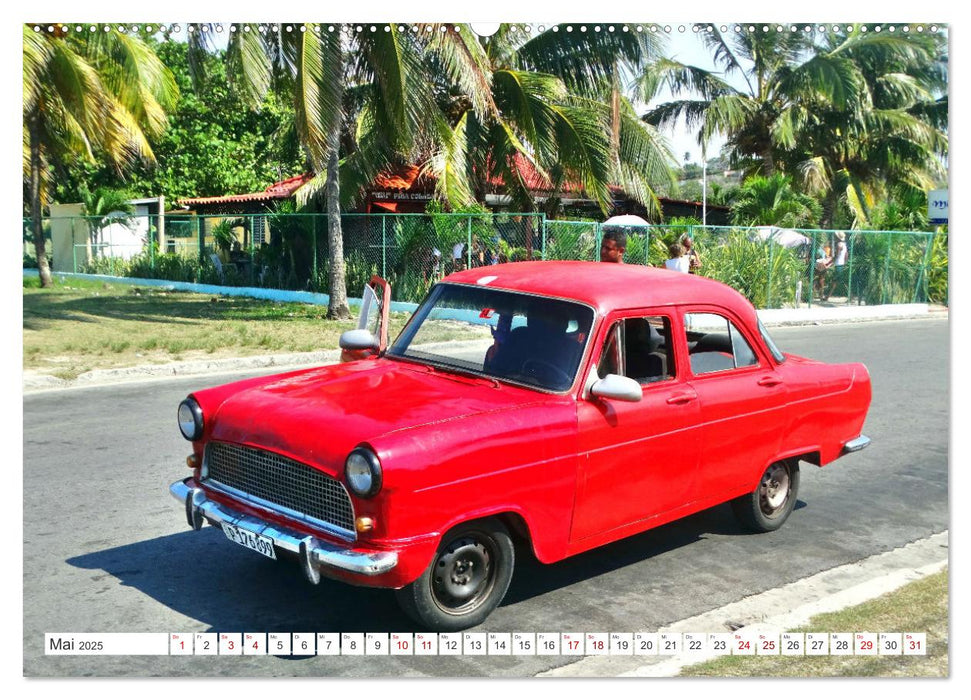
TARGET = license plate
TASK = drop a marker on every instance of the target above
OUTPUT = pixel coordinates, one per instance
(258, 543)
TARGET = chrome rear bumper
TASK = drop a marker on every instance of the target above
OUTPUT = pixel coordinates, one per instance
(312, 552)
(855, 445)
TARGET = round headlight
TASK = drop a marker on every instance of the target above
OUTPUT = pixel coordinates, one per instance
(362, 470)
(190, 419)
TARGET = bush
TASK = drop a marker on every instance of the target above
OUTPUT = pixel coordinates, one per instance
(765, 273)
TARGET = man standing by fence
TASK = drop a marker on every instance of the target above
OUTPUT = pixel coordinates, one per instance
(612, 246)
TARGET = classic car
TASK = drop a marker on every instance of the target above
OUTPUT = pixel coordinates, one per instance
(554, 405)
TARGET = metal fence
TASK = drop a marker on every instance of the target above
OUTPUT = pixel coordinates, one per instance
(773, 268)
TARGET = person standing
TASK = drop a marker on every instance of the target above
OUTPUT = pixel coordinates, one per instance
(823, 263)
(677, 260)
(694, 260)
(839, 263)
(612, 246)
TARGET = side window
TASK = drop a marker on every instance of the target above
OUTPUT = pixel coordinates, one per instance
(716, 345)
(639, 348)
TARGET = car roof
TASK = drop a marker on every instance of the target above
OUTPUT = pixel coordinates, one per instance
(605, 286)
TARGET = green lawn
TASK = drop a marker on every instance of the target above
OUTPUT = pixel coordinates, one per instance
(921, 606)
(79, 325)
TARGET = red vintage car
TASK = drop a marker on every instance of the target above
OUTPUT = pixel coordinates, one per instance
(562, 405)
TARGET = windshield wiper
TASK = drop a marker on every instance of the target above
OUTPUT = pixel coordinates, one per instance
(450, 369)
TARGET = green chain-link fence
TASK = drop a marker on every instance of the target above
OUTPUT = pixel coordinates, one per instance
(773, 268)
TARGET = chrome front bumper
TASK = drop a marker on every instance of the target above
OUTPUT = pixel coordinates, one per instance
(855, 445)
(312, 552)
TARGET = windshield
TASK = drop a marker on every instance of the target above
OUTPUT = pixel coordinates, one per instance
(516, 337)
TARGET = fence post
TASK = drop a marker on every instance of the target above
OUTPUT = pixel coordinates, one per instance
(74, 251)
(849, 271)
(922, 277)
(468, 247)
(201, 243)
(597, 240)
(768, 287)
(812, 271)
(151, 245)
(886, 271)
(384, 245)
(314, 217)
(542, 223)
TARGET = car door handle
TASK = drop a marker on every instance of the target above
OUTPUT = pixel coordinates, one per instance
(769, 381)
(683, 398)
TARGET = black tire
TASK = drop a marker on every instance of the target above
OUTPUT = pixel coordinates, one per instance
(466, 580)
(769, 505)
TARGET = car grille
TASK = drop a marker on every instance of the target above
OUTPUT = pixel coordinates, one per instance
(281, 484)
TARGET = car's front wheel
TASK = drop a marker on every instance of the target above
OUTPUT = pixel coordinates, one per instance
(466, 580)
(768, 506)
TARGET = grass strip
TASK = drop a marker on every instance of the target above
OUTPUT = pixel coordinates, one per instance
(921, 606)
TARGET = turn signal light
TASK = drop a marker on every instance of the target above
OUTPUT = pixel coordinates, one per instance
(364, 524)
(193, 461)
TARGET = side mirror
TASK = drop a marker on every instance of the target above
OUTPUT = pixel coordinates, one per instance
(614, 386)
(358, 339)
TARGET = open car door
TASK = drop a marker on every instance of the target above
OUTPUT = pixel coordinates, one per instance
(375, 304)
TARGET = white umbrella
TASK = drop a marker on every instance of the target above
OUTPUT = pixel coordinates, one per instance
(785, 237)
(626, 220)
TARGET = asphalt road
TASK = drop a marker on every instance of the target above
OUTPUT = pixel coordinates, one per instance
(106, 549)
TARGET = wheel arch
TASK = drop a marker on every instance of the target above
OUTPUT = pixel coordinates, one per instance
(514, 521)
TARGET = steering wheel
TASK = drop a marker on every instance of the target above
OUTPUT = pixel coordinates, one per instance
(542, 370)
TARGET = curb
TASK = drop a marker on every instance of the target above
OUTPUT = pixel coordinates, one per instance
(773, 611)
(33, 382)
(100, 377)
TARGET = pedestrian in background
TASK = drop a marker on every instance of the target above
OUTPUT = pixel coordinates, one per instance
(612, 246)
(677, 260)
(694, 259)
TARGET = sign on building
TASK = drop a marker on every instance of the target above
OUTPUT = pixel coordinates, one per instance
(937, 206)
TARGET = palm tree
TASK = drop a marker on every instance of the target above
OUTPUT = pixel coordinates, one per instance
(772, 201)
(85, 95)
(357, 93)
(552, 102)
(846, 112)
(100, 208)
(892, 140)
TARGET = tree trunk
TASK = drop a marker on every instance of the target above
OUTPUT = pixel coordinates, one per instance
(36, 222)
(829, 209)
(335, 236)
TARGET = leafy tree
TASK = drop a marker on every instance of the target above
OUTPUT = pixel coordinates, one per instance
(214, 145)
(103, 92)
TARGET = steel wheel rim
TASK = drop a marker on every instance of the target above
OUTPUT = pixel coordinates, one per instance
(774, 490)
(464, 574)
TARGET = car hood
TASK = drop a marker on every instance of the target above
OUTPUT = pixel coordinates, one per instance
(320, 415)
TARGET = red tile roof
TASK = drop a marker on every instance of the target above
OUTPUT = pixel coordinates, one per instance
(278, 190)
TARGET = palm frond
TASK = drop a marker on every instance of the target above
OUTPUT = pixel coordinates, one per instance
(248, 64)
(467, 66)
(585, 60)
(317, 96)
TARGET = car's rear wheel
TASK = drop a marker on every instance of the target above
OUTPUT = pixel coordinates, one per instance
(769, 505)
(467, 579)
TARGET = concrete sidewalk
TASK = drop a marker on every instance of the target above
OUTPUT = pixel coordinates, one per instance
(37, 381)
(781, 609)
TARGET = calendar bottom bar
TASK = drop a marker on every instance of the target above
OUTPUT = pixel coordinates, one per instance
(740, 643)
(106, 644)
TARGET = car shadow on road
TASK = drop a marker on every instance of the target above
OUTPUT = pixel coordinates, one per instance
(204, 577)
(201, 576)
(533, 578)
